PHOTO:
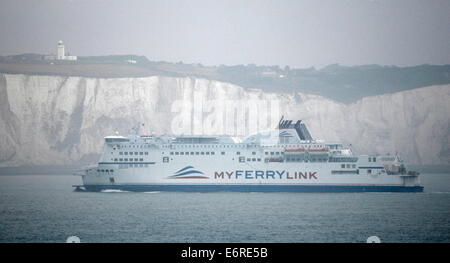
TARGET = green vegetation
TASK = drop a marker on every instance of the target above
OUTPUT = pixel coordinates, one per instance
(341, 83)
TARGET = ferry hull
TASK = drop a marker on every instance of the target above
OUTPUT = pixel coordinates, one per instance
(253, 188)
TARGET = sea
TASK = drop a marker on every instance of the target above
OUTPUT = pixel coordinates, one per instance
(45, 208)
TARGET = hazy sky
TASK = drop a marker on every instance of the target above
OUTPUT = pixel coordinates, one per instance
(295, 33)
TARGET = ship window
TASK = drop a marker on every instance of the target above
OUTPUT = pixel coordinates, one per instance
(171, 153)
(370, 159)
(242, 159)
(213, 153)
(259, 159)
(254, 153)
(342, 165)
(181, 153)
(126, 153)
(141, 159)
(192, 153)
(266, 153)
(254, 159)
(120, 153)
(131, 153)
(353, 165)
(120, 159)
(115, 160)
(223, 153)
(126, 159)
(277, 153)
(197, 153)
(374, 159)
(207, 153)
(135, 159)
(369, 171)
(248, 159)
(202, 153)
(141, 153)
(238, 153)
(111, 179)
(343, 172)
(176, 153)
(348, 165)
(271, 153)
(146, 153)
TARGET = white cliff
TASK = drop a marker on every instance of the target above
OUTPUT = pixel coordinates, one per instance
(51, 120)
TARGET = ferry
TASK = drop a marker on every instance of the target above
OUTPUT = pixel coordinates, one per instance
(295, 162)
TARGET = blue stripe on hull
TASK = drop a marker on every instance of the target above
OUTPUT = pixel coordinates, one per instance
(255, 188)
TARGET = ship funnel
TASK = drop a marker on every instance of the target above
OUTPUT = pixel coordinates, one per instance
(305, 132)
(299, 126)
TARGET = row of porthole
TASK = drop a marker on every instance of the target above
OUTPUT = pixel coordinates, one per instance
(131, 153)
(348, 165)
(126, 166)
(194, 153)
(126, 159)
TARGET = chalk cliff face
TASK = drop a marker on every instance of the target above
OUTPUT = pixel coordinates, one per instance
(50, 120)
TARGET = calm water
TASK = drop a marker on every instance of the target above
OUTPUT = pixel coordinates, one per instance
(43, 208)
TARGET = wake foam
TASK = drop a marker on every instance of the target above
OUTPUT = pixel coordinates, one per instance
(113, 191)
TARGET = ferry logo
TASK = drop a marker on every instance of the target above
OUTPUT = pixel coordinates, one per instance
(188, 172)
(285, 134)
(266, 174)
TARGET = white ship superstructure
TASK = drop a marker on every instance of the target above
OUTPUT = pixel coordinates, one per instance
(296, 162)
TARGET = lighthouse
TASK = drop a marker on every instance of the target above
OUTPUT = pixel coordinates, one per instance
(61, 52)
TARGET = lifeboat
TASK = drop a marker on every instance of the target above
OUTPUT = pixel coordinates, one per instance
(320, 150)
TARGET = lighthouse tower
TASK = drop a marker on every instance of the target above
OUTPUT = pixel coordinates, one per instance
(61, 52)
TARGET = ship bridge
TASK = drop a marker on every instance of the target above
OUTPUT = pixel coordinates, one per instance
(116, 139)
